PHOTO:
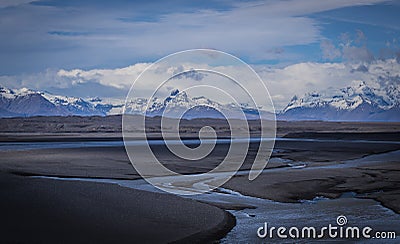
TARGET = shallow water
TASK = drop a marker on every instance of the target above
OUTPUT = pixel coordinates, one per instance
(316, 213)
(15, 146)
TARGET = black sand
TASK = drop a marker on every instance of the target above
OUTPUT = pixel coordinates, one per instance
(50, 211)
(42, 211)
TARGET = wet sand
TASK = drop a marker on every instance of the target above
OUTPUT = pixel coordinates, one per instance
(112, 161)
(331, 168)
(110, 126)
(51, 211)
(380, 181)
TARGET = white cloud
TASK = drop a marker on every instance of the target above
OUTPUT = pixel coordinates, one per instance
(357, 54)
(303, 7)
(12, 3)
(87, 37)
(301, 78)
(283, 83)
(354, 50)
(121, 78)
(329, 51)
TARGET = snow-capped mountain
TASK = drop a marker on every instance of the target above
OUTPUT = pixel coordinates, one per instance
(354, 103)
(25, 102)
(358, 102)
(180, 103)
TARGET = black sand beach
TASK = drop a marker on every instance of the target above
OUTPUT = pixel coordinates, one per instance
(50, 211)
(337, 157)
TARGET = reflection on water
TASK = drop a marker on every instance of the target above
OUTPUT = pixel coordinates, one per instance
(14, 146)
(18, 146)
(255, 211)
(8, 146)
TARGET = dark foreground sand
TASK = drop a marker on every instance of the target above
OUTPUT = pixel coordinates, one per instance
(51, 211)
(43, 210)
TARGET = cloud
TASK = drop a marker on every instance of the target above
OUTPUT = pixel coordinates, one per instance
(59, 35)
(329, 51)
(120, 78)
(355, 50)
(283, 82)
(297, 79)
(360, 36)
(191, 74)
(357, 54)
(13, 3)
(67, 33)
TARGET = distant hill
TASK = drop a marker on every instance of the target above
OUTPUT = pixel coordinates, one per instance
(25, 103)
(358, 102)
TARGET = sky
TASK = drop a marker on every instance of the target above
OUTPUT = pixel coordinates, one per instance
(99, 47)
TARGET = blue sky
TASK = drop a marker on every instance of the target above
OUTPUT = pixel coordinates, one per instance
(98, 47)
(38, 35)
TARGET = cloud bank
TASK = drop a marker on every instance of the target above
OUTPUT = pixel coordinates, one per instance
(283, 82)
(61, 34)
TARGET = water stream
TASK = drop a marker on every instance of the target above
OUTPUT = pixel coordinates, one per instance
(251, 212)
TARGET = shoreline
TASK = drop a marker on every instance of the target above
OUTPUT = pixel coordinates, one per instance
(331, 196)
(381, 134)
(254, 210)
(373, 177)
(298, 170)
(104, 213)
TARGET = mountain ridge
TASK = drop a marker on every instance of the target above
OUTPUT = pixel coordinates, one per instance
(357, 102)
(352, 103)
(25, 103)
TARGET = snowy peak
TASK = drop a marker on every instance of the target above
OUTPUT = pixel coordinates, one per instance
(10, 94)
(348, 98)
(180, 103)
(25, 102)
(356, 102)
(177, 98)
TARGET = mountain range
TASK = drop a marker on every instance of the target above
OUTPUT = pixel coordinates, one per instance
(25, 102)
(180, 103)
(357, 102)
